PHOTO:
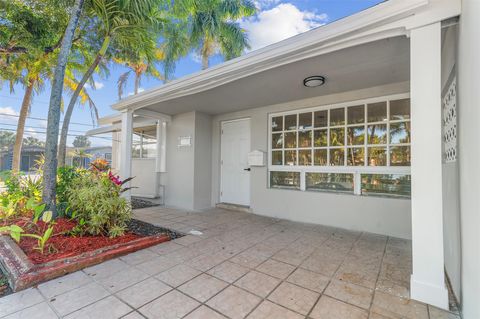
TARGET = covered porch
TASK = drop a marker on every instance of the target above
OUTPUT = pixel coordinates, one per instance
(388, 69)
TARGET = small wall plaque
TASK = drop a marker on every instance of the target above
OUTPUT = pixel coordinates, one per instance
(184, 141)
(256, 158)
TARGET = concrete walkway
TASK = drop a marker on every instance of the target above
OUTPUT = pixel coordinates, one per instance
(241, 266)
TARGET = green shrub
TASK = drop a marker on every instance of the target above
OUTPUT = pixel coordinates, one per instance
(65, 177)
(95, 202)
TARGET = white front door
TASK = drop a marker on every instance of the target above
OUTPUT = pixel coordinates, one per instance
(235, 146)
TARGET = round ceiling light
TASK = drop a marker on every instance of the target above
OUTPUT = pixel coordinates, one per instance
(314, 81)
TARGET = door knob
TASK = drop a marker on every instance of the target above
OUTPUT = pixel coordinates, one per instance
(247, 169)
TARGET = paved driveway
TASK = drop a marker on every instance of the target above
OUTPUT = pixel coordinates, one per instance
(241, 266)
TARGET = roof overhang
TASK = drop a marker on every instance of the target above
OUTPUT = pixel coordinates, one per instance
(390, 19)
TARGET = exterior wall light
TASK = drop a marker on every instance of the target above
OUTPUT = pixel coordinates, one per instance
(314, 81)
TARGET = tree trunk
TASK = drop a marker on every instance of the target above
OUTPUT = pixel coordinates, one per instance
(17, 148)
(50, 170)
(204, 61)
(62, 148)
(137, 82)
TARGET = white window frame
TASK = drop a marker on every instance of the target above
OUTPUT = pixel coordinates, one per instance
(355, 170)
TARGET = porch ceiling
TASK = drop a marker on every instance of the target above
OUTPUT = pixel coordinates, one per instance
(377, 63)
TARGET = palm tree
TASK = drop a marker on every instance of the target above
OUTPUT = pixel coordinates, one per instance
(140, 64)
(123, 22)
(214, 27)
(50, 169)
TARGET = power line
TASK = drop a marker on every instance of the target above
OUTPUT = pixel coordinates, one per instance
(20, 99)
(74, 135)
(41, 119)
(39, 127)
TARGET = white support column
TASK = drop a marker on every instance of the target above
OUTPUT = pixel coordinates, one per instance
(126, 148)
(159, 136)
(427, 283)
(163, 148)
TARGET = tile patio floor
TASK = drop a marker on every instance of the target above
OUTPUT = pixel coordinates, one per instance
(242, 266)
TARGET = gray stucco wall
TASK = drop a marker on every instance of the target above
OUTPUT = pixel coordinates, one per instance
(203, 160)
(373, 214)
(180, 162)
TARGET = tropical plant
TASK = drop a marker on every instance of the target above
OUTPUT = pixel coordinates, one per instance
(47, 233)
(214, 27)
(13, 230)
(50, 170)
(96, 204)
(65, 177)
(123, 23)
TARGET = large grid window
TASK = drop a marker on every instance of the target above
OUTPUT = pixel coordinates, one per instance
(344, 143)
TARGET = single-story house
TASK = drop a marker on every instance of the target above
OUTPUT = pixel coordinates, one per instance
(367, 123)
(30, 154)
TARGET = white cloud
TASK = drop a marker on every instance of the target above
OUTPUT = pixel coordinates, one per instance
(6, 111)
(140, 90)
(98, 85)
(279, 23)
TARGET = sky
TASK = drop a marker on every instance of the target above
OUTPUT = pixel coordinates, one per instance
(275, 20)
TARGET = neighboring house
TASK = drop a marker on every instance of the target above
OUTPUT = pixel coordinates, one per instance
(353, 124)
(27, 163)
(87, 155)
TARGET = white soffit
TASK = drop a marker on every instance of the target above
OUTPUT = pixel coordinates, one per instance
(389, 19)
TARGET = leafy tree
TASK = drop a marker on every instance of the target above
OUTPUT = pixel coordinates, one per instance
(50, 169)
(81, 141)
(33, 141)
(120, 23)
(29, 38)
(213, 26)
(7, 139)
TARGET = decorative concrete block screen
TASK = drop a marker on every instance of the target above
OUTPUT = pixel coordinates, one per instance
(450, 123)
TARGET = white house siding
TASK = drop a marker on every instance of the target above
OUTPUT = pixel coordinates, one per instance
(374, 214)
(469, 154)
(451, 201)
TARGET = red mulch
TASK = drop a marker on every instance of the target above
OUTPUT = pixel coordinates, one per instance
(60, 245)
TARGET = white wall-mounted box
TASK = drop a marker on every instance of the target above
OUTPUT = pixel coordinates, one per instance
(256, 158)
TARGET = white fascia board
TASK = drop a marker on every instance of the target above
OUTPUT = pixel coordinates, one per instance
(138, 122)
(276, 54)
(388, 19)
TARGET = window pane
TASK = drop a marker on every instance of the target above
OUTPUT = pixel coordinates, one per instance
(304, 157)
(320, 137)
(337, 157)
(400, 132)
(277, 123)
(400, 109)
(356, 135)
(337, 136)
(377, 112)
(290, 158)
(386, 184)
(377, 156)
(305, 139)
(337, 116)
(290, 122)
(400, 156)
(277, 140)
(285, 180)
(320, 157)
(277, 158)
(321, 118)
(356, 114)
(305, 120)
(290, 140)
(377, 134)
(329, 182)
(355, 156)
